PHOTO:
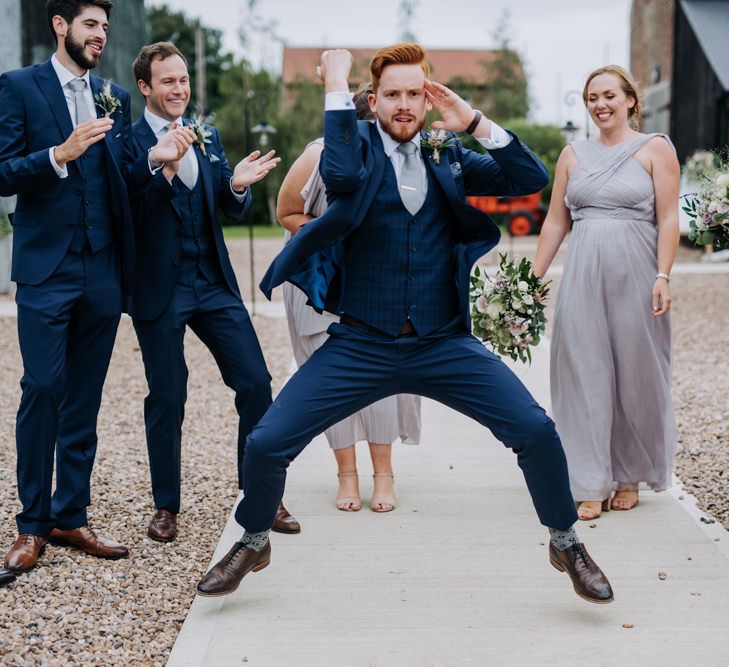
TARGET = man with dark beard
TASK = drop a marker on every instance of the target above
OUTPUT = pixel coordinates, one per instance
(62, 141)
(392, 257)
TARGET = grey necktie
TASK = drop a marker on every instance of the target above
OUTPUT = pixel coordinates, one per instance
(186, 172)
(78, 86)
(411, 178)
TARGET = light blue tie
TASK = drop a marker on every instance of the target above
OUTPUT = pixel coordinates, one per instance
(411, 178)
(78, 86)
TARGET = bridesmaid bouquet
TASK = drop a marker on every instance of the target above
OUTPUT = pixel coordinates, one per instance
(709, 210)
(508, 311)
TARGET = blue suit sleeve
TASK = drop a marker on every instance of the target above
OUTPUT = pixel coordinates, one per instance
(19, 171)
(511, 171)
(341, 166)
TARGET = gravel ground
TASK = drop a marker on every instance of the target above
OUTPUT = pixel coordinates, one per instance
(74, 609)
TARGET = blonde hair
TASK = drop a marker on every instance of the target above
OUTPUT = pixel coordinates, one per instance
(397, 54)
(627, 83)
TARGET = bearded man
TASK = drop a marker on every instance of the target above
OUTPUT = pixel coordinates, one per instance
(392, 257)
(63, 141)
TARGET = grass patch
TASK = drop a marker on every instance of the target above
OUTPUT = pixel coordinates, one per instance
(259, 232)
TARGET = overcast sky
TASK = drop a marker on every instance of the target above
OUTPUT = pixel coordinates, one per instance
(561, 41)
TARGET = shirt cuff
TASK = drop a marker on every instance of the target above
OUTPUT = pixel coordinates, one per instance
(240, 196)
(62, 172)
(153, 166)
(498, 139)
(338, 101)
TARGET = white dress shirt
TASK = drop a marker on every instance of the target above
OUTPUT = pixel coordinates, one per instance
(159, 126)
(340, 101)
(64, 77)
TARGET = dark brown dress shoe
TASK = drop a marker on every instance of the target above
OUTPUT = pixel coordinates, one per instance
(226, 576)
(284, 522)
(6, 577)
(587, 578)
(87, 540)
(24, 553)
(163, 526)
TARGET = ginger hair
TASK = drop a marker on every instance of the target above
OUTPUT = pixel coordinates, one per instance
(397, 54)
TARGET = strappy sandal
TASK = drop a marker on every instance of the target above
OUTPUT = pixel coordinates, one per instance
(383, 503)
(590, 513)
(352, 503)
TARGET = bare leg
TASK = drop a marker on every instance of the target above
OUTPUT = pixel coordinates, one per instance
(383, 494)
(348, 499)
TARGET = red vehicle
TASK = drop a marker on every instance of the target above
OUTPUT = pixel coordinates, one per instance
(522, 215)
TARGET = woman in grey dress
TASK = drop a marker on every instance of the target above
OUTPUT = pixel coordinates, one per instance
(302, 198)
(611, 342)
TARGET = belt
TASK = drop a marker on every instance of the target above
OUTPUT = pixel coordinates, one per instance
(407, 327)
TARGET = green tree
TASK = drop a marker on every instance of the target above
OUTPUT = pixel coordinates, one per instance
(506, 92)
(546, 141)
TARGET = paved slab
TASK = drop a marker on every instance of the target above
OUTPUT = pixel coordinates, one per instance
(366, 589)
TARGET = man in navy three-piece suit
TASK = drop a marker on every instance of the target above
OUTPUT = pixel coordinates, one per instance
(184, 277)
(392, 256)
(73, 255)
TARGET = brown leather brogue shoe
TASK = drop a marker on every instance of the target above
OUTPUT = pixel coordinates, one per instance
(587, 578)
(226, 575)
(284, 522)
(163, 526)
(87, 540)
(24, 553)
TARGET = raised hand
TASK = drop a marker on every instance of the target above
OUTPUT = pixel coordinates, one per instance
(173, 145)
(455, 112)
(84, 135)
(334, 69)
(253, 168)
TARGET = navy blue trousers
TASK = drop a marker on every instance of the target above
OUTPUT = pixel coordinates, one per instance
(355, 368)
(221, 322)
(66, 330)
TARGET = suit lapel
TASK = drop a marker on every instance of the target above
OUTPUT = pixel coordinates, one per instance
(378, 158)
(51, 89)
(143, 133)
(443, 174)
(205, 172)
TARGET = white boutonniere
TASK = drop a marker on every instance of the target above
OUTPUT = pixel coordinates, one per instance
(202, 134)
(106, 100)
(435, 141)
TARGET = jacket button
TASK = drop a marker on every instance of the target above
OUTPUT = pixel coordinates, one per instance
(174, 265)
(69, 226)
(79, 191)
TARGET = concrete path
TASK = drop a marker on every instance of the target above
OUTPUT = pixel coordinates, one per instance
(365, 589)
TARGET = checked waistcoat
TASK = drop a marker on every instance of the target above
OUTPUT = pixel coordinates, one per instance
(94, 224)
(196, 236)
(400, 266)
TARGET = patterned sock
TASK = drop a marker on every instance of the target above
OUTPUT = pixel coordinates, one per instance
(563, 539)
(255, 541)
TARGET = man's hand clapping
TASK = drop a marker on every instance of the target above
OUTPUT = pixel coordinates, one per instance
(253, 168)
(173, 145)
(83, 136)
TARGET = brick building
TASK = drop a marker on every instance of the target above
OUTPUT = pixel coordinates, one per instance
(679, 53)
(467, 68)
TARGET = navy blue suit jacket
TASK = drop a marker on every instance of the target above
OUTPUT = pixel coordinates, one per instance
(352, 166)
(157, 220)
(33, 117)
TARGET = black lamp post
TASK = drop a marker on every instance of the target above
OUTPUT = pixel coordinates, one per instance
(262, 131)
(569, 100)
(569, 130)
